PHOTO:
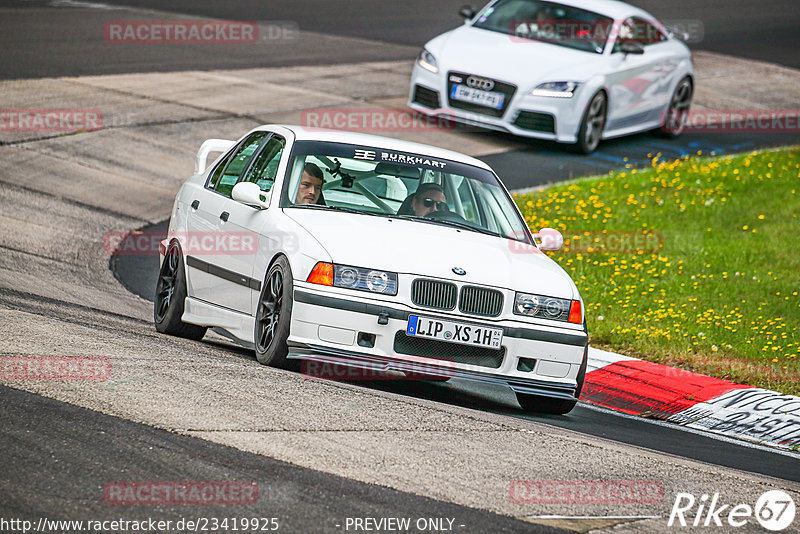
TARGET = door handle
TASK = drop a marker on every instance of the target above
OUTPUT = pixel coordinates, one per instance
(195, 204)
(224, 216)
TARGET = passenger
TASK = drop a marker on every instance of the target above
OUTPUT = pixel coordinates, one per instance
(310, 189)
(429, 197)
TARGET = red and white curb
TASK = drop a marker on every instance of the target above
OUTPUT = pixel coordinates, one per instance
(648, 389)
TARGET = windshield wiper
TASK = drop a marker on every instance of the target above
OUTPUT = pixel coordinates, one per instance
(468, 226)
(457, 224)
(309, 206)
(337, 208)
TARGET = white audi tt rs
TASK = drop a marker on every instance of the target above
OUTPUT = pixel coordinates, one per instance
(374, 254)
(572, 71)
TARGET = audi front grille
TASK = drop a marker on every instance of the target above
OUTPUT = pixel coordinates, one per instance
(506, 89)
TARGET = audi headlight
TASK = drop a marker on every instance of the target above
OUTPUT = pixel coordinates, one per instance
(427, 61)
(551, 308)
(556, 89)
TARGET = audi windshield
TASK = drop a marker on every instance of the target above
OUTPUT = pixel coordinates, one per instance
(548, 22)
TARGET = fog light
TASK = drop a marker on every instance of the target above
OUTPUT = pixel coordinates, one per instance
(366, 340)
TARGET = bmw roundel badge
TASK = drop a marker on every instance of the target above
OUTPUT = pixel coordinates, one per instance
(459, 271)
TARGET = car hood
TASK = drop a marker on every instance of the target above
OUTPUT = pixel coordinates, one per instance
(503, 57)
(430, 249)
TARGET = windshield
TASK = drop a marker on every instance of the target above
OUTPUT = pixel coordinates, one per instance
(387, 183)
(549, 22)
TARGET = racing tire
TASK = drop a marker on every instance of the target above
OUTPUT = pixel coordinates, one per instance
(274, 315)
(593, 122)
(549, 405)
(170, 298)
(678, 110)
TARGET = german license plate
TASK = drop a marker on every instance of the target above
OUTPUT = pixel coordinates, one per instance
(491, 99)
(451, 332)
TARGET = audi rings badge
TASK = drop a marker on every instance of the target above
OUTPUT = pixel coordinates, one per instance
(476, 82)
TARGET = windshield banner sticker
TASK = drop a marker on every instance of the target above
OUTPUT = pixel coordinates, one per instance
(395, 157)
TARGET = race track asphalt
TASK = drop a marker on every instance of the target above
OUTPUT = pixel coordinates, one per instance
(58, 458)
(139, 272)
(41, 40)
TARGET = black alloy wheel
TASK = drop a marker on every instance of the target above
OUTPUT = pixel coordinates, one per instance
(170, 298)
(273, 316)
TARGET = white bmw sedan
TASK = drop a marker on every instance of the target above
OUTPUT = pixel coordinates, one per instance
(370, 253)
(572, 71)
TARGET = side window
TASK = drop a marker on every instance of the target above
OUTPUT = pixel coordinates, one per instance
(468, 201)
(227, 172)
(490, 199)
(636, 30)
(265, 167)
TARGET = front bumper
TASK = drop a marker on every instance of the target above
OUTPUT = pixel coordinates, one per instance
(372, 365)
(555, 119)
(363, 333)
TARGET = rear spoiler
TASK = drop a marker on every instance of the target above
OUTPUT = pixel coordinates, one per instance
(208, 146)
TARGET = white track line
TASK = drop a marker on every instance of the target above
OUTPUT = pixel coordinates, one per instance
(592, 517)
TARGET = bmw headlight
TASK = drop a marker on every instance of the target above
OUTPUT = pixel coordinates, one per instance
(363, 279)
(427, 61)
(556, 89)
(551, 308)
(349, 277)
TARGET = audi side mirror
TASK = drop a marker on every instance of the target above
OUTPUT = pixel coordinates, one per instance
(467, 12)
(630, 47)
(250, 194)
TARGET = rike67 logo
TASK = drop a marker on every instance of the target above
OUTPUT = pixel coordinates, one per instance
(774, 511)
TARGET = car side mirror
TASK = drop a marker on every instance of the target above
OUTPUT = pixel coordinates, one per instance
(630, 47)
(549, 239)
(467, 12)
(249, 193)
(676, 32)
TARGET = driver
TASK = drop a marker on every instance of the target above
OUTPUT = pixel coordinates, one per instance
(310, 189)
(428, 198)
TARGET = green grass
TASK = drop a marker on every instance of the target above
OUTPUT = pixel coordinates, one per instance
(709, 280)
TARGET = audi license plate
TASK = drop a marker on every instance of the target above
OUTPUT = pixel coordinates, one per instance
(465, 334)
(491, 99)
